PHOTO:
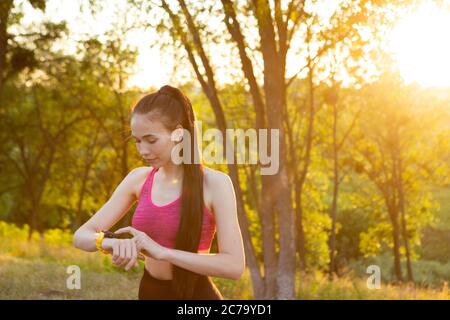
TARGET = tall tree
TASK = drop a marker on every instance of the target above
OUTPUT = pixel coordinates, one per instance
(276, 24)
(388, 149)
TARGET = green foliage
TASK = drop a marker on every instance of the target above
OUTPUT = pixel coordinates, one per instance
(427, 273)
(435, 244)
(65, 147)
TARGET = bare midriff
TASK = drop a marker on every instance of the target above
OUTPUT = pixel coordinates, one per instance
(161, 270)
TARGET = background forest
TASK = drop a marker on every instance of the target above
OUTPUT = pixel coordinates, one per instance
(360, 91)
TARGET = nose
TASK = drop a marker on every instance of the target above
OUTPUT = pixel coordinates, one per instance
(144, 152)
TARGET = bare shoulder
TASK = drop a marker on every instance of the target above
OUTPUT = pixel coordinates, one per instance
(136, 178)
(217, 185)
(140, 170)
(216, 178)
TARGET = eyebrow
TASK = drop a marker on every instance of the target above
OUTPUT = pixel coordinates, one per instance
(147, 135)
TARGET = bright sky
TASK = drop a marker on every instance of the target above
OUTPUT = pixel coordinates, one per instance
(421, 45)
(419, 42)
(151, 70)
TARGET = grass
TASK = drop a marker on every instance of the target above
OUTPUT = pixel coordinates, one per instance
(44, 278)
(38, 270)
(318, 287)
(39, 279)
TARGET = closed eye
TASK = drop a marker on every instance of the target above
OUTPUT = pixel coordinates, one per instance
(149, 141)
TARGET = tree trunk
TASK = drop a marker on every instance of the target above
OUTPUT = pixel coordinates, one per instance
(5, 9)
(267, 219)
(402, 207)
(335, 195)
(267, 203)
(209, 88)
(275, 96)
(301, 242)
(333, 219)
(37, 188)
(396, 248)
(301, 248)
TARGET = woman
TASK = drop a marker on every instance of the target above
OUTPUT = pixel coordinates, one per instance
(180, 208)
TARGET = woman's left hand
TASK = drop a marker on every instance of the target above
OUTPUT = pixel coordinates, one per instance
(145, 244)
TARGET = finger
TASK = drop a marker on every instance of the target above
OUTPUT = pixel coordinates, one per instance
(139, 246)
(129, 249)
(127, 256)
(122, 230)
(121, 253)
(142, 252)
(130, 230)
(141, 257)
(117, 256)
(133, 256)
(116, 252)
(124, 253)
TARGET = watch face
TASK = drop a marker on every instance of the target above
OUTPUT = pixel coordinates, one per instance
(109, 234)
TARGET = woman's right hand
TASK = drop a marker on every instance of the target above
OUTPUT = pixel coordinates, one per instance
(124, 252)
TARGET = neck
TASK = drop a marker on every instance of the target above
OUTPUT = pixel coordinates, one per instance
(172, 172)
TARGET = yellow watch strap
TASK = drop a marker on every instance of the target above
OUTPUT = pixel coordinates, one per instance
(98, 242)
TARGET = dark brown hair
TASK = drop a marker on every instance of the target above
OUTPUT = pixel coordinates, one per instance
(172, 108)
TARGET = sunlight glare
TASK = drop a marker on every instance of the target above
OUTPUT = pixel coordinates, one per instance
(421, 46)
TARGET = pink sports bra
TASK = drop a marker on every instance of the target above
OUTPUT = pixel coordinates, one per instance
(161, 222)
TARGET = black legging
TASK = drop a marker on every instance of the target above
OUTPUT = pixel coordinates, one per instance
(151, 288)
